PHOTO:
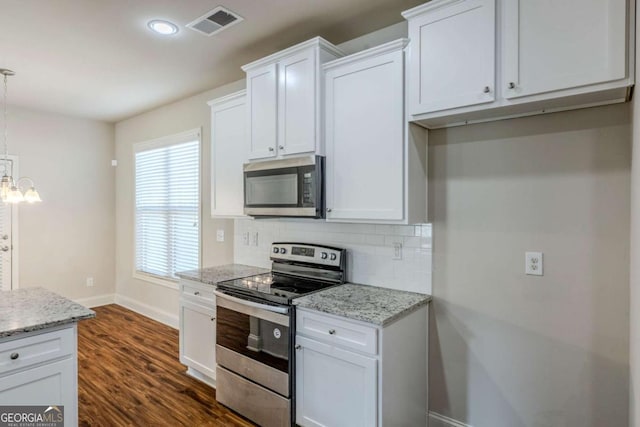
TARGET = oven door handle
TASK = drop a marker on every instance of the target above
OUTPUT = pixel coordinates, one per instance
(267, 307)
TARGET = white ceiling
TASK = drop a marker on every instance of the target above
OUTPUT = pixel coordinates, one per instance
(97, 59)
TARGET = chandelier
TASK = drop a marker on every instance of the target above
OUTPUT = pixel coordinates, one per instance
(10, 190)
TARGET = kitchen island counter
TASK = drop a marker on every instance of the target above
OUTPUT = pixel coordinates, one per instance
(32, 309)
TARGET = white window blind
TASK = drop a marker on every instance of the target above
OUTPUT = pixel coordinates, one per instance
(167, 205)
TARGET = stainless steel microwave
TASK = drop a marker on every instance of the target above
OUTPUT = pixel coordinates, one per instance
(285, 188)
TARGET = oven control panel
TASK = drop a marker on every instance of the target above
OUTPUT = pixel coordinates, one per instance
(316, 254)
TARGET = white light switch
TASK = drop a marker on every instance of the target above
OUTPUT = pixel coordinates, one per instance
(220, 235)
(533, 263)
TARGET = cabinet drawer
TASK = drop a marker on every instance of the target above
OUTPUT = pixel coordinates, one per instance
(196, 293)
(338, 332)
(24, 352)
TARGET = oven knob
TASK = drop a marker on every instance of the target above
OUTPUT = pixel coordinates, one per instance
(333, 257)
(276, 250)
(324, 255)
(283, 251)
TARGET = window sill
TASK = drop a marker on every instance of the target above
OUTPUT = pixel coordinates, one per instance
(155, 280)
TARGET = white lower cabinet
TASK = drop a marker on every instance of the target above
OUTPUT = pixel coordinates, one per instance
(40, 368)
(321, 370)
(350, 373)
(198, 331)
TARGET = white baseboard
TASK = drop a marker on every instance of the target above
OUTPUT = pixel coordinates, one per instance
(96, 301)
(147, 310)
(437, 420)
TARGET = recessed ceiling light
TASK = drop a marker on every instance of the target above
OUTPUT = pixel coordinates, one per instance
(165, 28)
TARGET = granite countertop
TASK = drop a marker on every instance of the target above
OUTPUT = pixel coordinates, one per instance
(214, 275)
(31, 309)
(371, 304)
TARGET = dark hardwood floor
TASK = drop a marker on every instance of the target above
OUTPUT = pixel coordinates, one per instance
(129, 375)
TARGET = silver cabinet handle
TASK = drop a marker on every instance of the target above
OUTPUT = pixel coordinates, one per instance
(5, 236)
(332, 331)
(213, 319)
(298, 347)
(328, 209)
(271, 148)
(14, 356)
(281, 147)
(4, 248)
(512, 85)
(487, 89)
(196, 293)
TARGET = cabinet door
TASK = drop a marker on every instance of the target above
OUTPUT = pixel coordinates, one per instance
(198, 337)
(228, 153)
(50, 384)
(263, 100)
(334, 387)
(297, 103)
(551, 45)
(365, 139)
(452, 56)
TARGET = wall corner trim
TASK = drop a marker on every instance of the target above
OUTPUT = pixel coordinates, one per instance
(437, 420)
(96, 301)
(147, 310)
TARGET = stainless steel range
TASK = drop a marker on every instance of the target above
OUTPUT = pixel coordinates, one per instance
(256, 328)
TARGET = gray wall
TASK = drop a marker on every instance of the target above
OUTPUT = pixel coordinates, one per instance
(509, 350)
(70, 235)
(634, 280)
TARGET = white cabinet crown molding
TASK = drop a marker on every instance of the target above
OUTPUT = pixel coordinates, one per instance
(368, 53)
(227, 98)
(314, 42)
(429, 6)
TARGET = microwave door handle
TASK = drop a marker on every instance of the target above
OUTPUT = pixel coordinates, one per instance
(268, 307)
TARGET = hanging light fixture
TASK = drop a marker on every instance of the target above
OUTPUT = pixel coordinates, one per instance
(10, 191)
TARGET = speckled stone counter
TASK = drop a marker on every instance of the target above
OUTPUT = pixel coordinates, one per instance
(213, 275)
(379, 306)
(31, 309)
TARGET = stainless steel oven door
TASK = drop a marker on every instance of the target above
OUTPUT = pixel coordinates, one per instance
(253, 340)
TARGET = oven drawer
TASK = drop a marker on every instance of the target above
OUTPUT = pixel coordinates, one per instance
(201, 294)
(260, 405)
(269, 377)
(339, 332)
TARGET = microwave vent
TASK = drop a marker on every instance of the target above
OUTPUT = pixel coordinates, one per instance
(215, 21)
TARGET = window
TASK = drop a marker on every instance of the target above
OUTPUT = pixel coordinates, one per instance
(167, 205)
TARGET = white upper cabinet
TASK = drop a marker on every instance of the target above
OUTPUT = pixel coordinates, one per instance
(284, 98)
(543, 55)
(552, 45)
(297, 103)
(262, 91)
(228, 153)
(454, 46)
(371, 160)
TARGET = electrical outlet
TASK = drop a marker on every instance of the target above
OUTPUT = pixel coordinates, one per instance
(220, 235)
(254, 238)
(89, 282)
(245, 238)
(534, 265)
(397, 251)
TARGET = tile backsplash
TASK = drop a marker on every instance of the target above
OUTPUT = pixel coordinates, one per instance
(370, 248)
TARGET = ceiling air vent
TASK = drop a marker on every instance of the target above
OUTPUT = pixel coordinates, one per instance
(215, 21)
